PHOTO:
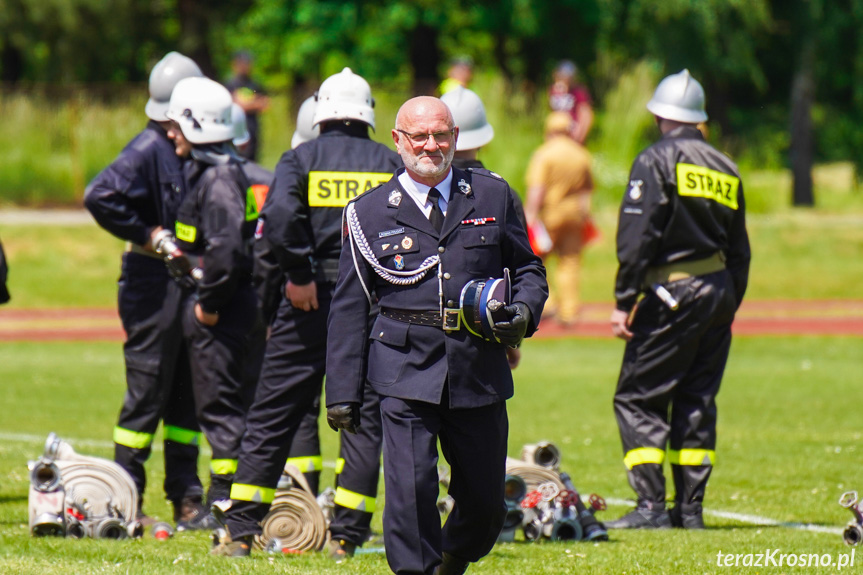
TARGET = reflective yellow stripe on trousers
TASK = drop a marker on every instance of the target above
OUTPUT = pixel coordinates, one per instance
(340, 465)
(692, 457)
(307, 464)
(133, 439)
(641, 455)
(253, 493)
(182, 435)
(223, 466)
(353, 500)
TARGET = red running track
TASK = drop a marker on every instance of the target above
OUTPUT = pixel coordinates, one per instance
(755, 318)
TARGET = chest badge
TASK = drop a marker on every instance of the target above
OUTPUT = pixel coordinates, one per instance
(407, 243)
(399, 261)
(464, 187)
(395, 198)
(635, 192)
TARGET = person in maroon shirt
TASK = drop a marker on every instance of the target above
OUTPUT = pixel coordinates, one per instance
(566, 95)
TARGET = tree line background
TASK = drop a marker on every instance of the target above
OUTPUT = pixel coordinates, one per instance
(784, 78)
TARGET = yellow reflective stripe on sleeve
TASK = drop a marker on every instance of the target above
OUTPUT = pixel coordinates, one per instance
(692, 457)
(223, 466)
(186, 232)
(182, 435)
(353, 500)
(133, 439)
(340, 465)
(252, 493)
(307, 464)
(700, 182)
(641, 455)
(336, 189)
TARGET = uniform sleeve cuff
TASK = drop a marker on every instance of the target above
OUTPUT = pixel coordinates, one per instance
(301, 276)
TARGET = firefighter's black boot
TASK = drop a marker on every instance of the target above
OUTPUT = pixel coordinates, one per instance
(690, 483)
(649, 484)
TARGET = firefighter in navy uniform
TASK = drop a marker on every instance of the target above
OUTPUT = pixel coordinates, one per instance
(267, 277)
(134, 199)
(215, 228)
(682, 242)
(4, 273)
(414, 244)
(302, 223)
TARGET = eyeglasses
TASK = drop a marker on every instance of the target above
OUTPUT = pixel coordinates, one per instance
(420, 138)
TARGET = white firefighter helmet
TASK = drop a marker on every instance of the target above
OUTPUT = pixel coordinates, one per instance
(679, 97)
(474, 131)
(202, 108)
(241, 128)
(305, 130)
(164, 76)
(345, 96)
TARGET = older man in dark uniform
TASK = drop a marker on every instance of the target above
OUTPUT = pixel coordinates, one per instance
(413, 244)
(682, 241)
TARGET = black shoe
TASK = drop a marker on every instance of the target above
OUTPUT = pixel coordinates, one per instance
(451, 565)
(683, 519)
(144, 519)
(190, 514)
(642, 518)
(339, 550)
(239, 547)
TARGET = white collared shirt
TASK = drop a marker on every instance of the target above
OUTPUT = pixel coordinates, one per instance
(419, 193)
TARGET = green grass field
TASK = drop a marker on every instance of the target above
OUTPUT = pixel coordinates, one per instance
(796, 255)
(789, 419)
(788, 430)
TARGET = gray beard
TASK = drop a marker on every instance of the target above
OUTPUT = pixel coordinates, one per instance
(412, 163)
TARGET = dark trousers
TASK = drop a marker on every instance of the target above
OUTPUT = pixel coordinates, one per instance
(158, 378)
(217, 357)
(473, 441)
(288, 393)
(357, 481)
(671, 372)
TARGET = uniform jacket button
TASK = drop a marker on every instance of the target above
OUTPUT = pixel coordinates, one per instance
(381, 334)
(446, 276)
(441, 249)
(450, 303)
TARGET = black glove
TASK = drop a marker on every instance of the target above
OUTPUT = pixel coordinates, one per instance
(512, 332)
(179, 268)
(344, 416)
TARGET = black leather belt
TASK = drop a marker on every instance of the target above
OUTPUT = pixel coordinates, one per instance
(450, 321)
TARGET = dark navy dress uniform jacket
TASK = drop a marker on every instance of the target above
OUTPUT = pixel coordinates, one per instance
(412, 361)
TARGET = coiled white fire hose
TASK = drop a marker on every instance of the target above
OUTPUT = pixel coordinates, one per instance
(295, 520)
(96, 493)
(533, 475)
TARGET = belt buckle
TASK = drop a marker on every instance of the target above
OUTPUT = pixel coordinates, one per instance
(451, 319)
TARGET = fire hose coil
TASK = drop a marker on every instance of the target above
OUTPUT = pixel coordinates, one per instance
(295, 518)
(533, 475)
(77, 495)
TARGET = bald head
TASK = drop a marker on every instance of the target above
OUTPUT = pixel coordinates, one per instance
(427, 159)
(423, 108)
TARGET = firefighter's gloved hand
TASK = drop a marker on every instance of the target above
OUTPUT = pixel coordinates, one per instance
(178, 266)
(344, 416)
(512, 332)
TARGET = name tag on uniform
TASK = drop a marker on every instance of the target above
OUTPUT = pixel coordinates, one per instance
(336, 189)
(700, 182)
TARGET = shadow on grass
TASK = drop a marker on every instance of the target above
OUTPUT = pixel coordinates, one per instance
(13, 499)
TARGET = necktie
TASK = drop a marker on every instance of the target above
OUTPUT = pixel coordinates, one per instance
(436, 215)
